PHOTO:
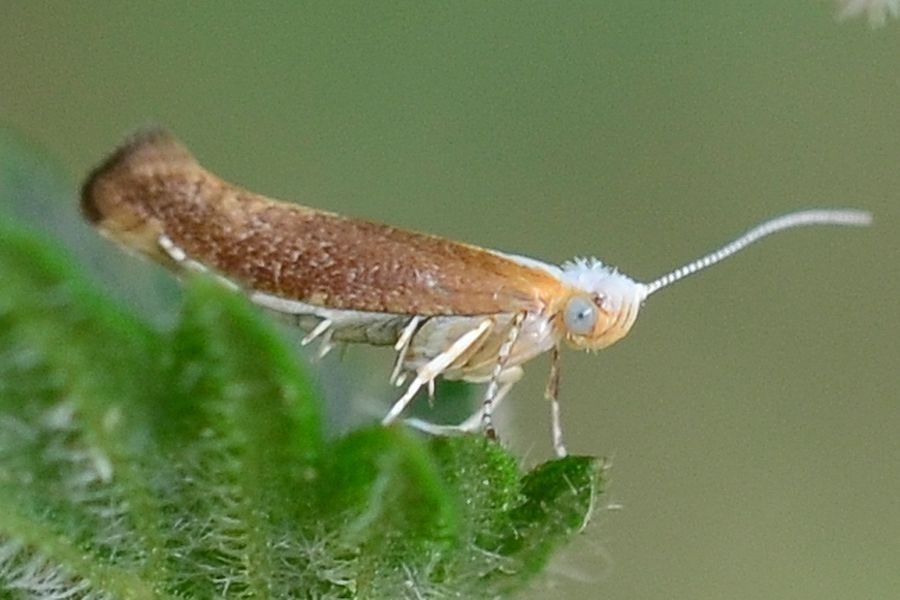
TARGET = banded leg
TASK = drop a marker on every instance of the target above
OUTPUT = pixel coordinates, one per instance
(487, 405)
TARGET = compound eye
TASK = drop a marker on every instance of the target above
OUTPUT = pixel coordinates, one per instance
(580, 315)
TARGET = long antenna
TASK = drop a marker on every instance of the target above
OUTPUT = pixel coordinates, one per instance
(851, 217)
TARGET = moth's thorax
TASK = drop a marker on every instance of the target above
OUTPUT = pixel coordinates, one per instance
(601, 304)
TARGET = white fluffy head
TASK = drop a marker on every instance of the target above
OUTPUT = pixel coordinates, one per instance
(615, 290)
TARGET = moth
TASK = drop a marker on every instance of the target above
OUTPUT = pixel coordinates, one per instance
(447, 308)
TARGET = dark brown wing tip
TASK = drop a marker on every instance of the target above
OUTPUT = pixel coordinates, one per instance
(150, 144)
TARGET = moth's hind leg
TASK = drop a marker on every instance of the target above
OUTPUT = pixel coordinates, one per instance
(428, 372)
(506, 380)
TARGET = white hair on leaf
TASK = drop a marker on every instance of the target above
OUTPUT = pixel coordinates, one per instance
(877, 10)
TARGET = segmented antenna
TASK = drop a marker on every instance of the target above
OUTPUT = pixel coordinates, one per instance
(857, 218)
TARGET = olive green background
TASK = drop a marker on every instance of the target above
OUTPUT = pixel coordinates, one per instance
(753, 414)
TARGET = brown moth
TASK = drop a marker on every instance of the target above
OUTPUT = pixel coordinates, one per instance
(449, 309)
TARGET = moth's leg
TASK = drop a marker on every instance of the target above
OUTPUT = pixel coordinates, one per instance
(490, 396)
(323, 332)
(476, 419)
(552, 394)
(508, 379)
(326, 345)
(318, 330)
(437, 365)
(402, 347)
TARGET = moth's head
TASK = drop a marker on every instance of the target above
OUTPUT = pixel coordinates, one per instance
(602, 306)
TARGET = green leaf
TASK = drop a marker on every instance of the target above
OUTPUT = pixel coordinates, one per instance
(137, 462)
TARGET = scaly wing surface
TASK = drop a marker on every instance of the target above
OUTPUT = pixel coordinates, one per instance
(153, 188)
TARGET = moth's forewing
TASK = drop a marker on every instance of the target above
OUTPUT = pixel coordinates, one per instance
(153, 187)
